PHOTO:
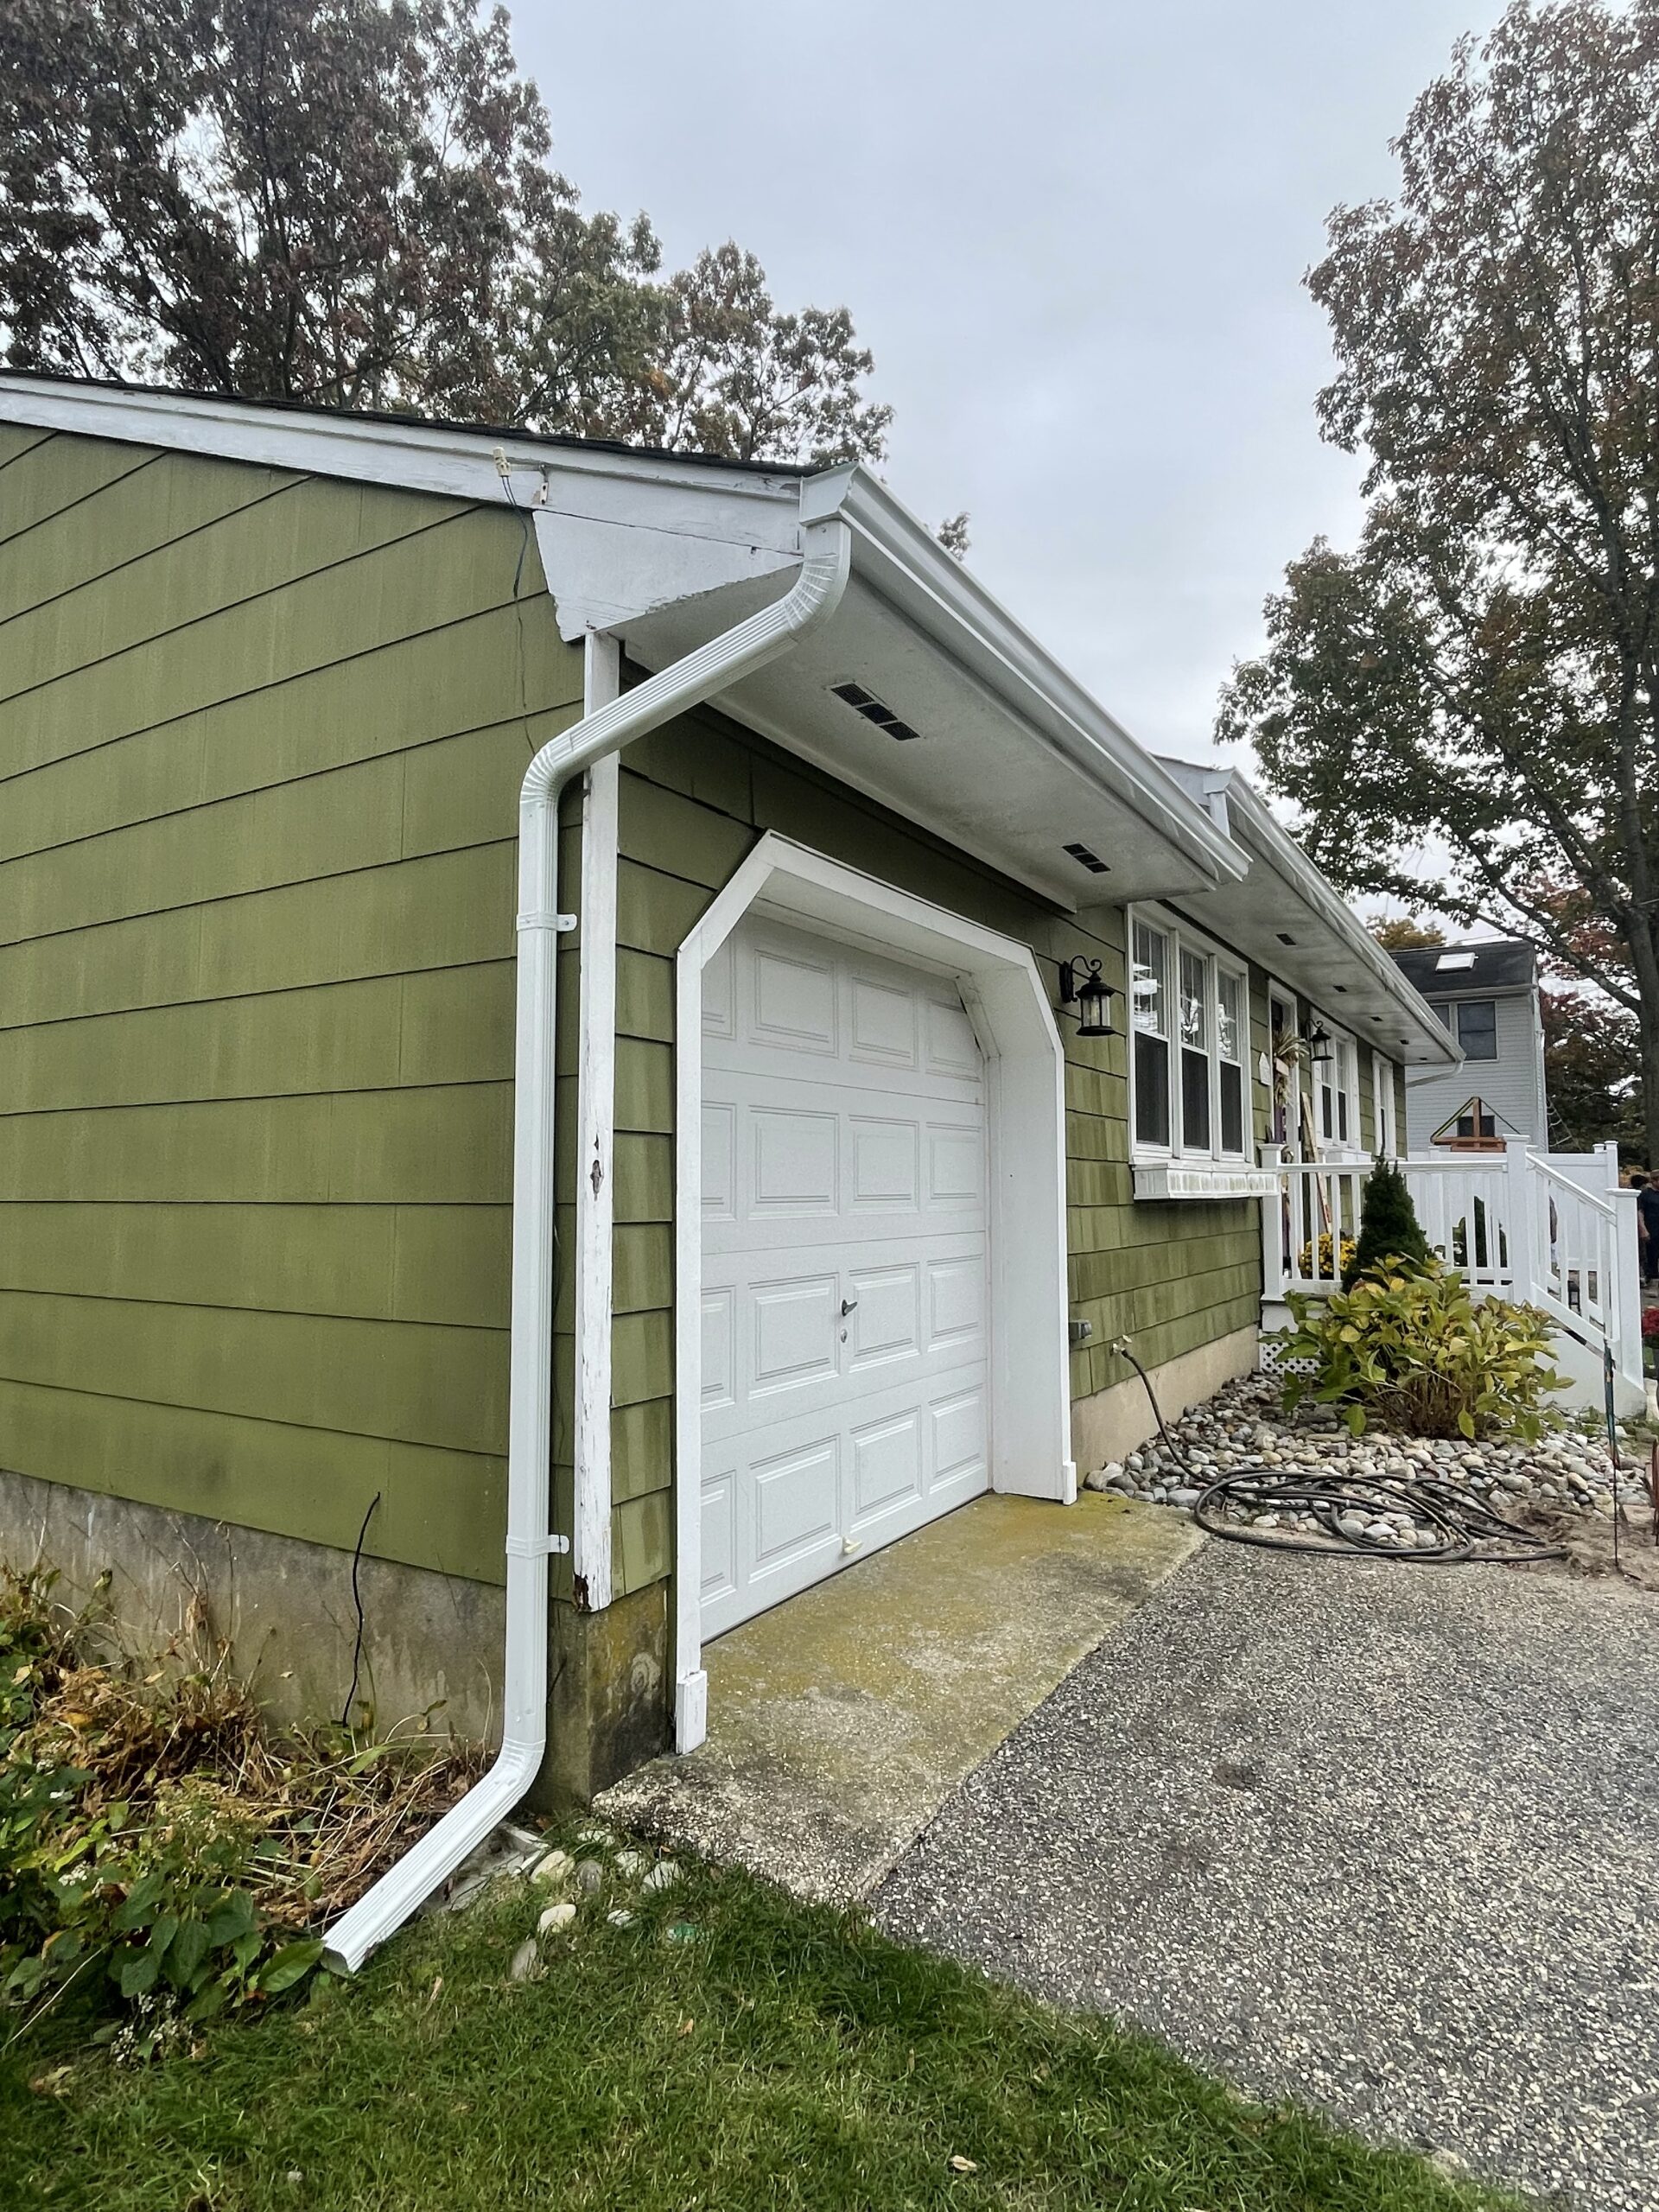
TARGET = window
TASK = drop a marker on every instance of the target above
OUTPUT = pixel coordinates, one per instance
(1477, 1028)
(1338, 1093)
(1382, 1094)
(1229, 1052)
(1150, 990)
(1191, 1021)
(1195, 1052)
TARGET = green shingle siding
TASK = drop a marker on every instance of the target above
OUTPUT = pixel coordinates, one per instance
(260, 749)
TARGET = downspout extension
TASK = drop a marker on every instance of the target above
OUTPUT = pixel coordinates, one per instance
(711, 669)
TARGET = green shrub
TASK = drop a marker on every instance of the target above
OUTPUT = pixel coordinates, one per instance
(1413, 1349)
(164, 1853)
(144, 1903)
(1388, 1227)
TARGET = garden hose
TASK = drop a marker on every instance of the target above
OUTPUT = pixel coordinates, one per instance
(1463, 1527)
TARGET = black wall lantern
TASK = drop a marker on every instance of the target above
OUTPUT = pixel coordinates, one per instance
(1318, 1042)
(1081, 987)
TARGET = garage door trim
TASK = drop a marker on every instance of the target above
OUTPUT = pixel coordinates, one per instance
(1024, 1106)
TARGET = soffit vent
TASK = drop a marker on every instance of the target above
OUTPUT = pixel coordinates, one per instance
(866, 704)
(1085, 858)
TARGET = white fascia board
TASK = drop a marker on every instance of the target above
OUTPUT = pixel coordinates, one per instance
(618, 533)
(418, 456)
(900, 558)
(1279, 852)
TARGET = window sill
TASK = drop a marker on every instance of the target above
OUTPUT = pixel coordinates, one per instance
(1199, 1178)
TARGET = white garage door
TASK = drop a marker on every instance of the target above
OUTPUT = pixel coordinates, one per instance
(844, 1294)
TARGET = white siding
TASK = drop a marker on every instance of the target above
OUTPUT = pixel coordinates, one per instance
(1513, 1084)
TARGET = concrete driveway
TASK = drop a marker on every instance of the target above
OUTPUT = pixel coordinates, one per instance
(1383, 1838)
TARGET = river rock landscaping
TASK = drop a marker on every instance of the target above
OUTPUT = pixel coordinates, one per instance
(1567, 1470)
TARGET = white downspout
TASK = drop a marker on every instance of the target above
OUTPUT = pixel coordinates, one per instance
(713, 667)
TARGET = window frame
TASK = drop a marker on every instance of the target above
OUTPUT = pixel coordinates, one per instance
(1462, 1005)
(1182, 941)
(1385, 1136)
(1344, 1093)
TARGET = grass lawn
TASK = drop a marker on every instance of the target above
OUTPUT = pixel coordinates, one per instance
(729, 2050)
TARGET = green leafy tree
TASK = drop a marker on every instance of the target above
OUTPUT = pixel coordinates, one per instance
(1590, 1059)
(1388, 1227)
(1405, 933)
(1480, 678)
(351, 202)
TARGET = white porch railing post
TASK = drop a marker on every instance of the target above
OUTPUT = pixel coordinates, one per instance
(1273, 1227)
(1624, 1305)
(1519, 1211)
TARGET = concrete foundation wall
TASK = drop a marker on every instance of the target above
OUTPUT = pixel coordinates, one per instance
(1114, 1420)
(432, 1643)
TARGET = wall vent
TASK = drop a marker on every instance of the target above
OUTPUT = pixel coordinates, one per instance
(866, 704)
(1085, 858)
(1283, 938)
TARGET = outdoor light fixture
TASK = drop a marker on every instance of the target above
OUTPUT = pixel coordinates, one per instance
(1081, 987)
(1318, 1042)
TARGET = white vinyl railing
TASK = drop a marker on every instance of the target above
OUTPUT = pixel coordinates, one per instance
(1553, 1230)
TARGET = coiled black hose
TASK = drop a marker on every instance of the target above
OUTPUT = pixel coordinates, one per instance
(1463, 1527)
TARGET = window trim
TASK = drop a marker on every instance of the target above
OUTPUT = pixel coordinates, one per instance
(1382, 1089)
(1462, 1005)
(1346, 1048)
(1180, 938)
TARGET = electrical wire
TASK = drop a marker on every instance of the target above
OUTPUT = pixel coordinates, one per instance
(1461, 1526)
(357, 1600)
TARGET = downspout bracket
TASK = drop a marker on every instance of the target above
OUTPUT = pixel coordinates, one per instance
(545, 918)
(536, 1547)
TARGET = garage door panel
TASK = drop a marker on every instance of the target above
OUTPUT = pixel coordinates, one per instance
(885, 1024)
(956, 1168)
(884, 1165)
(952, 1049)
(719, 1538)
(795, 1328)
(793, 1006)
(958, 1441)
(844, 1262)
(956, 1302)
(719, 1161)
(793, 1158)
(718, 1348)
(887, 1469)
(796, 1502)
(886, 1323)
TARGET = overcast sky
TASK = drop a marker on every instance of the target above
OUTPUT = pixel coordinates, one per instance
(1073, 236)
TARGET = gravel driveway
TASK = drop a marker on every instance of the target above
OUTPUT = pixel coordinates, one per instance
(1382, 1837)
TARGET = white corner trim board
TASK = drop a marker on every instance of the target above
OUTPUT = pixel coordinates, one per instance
(1008, 1008)
(602, 731)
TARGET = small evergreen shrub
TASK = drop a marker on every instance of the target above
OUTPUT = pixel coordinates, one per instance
(1388, 1227)
(1410, 1347)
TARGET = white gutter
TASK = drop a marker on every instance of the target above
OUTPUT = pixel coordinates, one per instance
(827, 545)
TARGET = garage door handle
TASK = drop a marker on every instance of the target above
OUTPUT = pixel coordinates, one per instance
(847, 1306)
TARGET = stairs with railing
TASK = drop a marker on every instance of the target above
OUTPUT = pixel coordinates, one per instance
(1551, 1230)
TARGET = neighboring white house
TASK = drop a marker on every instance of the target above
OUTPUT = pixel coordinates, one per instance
(1487, 996)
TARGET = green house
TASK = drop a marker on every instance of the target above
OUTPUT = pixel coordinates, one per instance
(437, 1207)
